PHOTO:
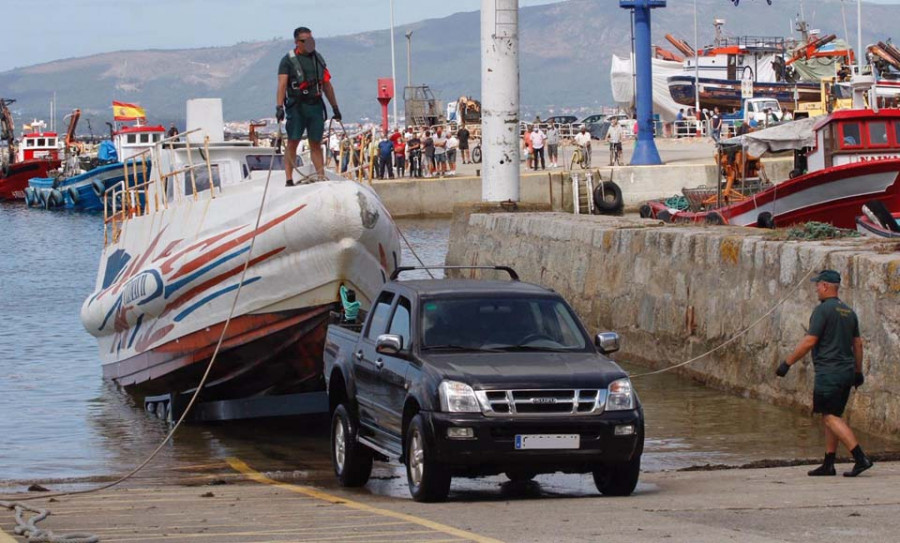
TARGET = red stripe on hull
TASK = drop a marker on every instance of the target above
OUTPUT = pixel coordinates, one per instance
(269, 353)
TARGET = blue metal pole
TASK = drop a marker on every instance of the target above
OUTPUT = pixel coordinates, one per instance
(645, 152)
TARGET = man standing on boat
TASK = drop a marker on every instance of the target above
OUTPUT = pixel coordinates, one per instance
(837, 352)
(302, 80)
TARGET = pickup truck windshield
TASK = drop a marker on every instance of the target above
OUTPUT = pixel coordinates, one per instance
(497, 323)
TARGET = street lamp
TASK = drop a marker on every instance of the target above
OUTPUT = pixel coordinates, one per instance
(409, 59)
(393, 65)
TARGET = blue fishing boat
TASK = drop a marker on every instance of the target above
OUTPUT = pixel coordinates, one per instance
(72, 188)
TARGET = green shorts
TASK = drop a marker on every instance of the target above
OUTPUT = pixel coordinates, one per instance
(304, 117)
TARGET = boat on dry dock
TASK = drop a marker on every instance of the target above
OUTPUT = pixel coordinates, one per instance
(173, 256)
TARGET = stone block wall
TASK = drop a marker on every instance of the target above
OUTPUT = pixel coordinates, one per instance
(675, 292)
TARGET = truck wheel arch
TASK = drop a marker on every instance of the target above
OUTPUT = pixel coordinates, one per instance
(337, 391)
(409, 411)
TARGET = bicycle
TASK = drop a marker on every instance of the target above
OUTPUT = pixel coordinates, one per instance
(579, 157)
(615, 154)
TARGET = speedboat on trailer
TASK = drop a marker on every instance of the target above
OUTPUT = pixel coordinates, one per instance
(852, 157)
(173, 257)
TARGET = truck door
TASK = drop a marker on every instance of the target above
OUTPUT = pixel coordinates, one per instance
(364, 365)
(394, 369)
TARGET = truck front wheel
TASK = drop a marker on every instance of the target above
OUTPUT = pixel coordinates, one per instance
(352, 461)
(428, 480)
(618, 479)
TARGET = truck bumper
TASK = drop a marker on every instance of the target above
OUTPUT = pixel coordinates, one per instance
(492, 449)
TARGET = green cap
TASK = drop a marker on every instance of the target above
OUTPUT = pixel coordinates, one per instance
(829, 276)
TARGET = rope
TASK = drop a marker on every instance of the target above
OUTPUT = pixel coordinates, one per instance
(413, 251)
(28, 528)
(733, 338)
(677, 202)
(199, 388)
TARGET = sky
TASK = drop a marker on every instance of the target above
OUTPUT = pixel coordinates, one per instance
(36, 31)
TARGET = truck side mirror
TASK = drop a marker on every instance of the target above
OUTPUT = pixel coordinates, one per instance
(607, 342)
(389, 344)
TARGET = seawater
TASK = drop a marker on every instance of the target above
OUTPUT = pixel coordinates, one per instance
(61, 423)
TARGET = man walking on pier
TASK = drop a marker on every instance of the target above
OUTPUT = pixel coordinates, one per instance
(837, 352)
(302, 81)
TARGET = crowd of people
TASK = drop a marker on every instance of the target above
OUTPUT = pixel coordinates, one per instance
(417, 152)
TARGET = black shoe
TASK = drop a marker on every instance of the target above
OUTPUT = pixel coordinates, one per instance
(289, 183)
(859, 467)
(822, 470)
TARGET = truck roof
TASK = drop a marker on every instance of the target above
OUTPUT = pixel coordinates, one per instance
(463, 286)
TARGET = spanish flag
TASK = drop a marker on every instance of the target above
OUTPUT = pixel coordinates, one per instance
(127, 112)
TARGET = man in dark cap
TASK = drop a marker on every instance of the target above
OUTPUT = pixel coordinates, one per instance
(303, 79)
(837, 352)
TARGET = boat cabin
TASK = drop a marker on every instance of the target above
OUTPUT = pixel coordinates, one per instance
(855, 135)
(133, 140)
(219, 165)
(39, 146)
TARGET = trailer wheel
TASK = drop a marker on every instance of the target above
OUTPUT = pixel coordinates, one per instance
(352, 460)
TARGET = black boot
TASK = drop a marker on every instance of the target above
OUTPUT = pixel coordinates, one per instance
(862, 462)
(827, 467)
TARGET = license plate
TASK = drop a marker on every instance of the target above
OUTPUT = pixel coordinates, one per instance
(548, 441)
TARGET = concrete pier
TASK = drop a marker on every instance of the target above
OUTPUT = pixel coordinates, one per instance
(674, 292)
(757, 506)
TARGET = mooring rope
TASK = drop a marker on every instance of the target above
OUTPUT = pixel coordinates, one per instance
(734, 338)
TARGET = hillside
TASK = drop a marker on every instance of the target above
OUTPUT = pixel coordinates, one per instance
(565, 58)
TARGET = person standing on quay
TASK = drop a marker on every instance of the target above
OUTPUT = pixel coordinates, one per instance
(583, 139)
(553, 146)
(303, 79)
(837, 352)
(463, 135)
(537, 145)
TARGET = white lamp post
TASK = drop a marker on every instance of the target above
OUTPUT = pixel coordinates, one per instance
(393, 67)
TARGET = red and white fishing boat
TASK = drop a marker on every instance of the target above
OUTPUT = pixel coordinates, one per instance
(173, 258)
(34, 156)
(853, 158)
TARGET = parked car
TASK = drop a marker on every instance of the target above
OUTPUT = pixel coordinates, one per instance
(592, 119)
(467, 378)
(560, 119)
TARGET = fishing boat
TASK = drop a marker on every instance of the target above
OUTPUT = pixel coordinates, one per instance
(33, 156)
(852, 157)
(173, 259)
(783, 69)
(73, 188)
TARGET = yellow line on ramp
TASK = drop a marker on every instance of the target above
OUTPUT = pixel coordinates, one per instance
(240, 466)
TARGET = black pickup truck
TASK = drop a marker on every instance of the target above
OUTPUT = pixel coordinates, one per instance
(469, 378)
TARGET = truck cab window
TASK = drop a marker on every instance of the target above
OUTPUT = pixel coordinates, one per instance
(400, 322)
(380, 315)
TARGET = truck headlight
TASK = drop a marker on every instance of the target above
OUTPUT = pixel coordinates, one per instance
(458, 397)
(620, 397)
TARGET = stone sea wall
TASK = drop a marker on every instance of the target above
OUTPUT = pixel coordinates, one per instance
(674, 292)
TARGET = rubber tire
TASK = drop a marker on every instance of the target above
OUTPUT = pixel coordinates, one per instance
(605, 206)
(765, 220)
(98, 187)
(664, 216)
(646, 212)
(715, 218)
(357, 457)
(435, 484)
(162, 411)
(476, 154)
(520, 476)
(618, 479)
(29, 196)
(73, 195)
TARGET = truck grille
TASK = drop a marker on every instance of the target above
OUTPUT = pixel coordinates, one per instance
(525, 403)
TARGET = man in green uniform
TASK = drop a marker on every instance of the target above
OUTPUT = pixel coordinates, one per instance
(837, 352)
(302, 80)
